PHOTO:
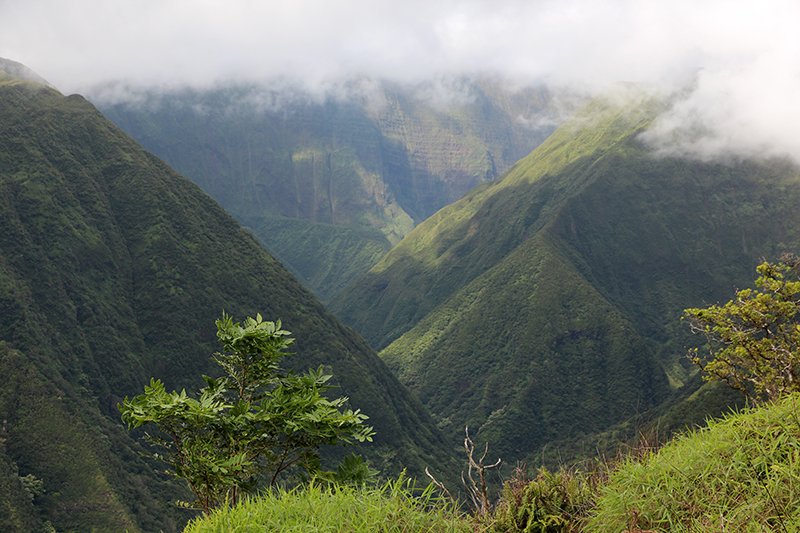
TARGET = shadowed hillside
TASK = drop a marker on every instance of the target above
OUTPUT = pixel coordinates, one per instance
(113, 268)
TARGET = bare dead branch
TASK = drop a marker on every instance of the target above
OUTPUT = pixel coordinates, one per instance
(439, 485)
(478, 495)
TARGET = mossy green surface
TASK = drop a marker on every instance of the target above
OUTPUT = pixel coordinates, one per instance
(582, 257)
(113, 268)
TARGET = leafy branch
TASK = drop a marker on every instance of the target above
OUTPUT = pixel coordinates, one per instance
(252, 421)
(754, 340)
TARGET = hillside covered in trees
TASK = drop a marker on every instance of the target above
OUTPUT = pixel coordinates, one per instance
(546, 305)
(113, 269)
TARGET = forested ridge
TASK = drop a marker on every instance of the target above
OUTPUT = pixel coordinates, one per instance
(545, 306)
(113, 269)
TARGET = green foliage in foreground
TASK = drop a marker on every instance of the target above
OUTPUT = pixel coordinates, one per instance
(553, 501)
(754, 340)
(251, 421)
(392, 508)
(741, 473)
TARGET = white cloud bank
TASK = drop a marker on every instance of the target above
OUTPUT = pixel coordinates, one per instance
(742, 56)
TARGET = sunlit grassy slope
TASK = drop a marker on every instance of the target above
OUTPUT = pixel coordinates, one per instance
(741, 473)
(113, 268)
(738, 473)
(546, 305)
(393, 508)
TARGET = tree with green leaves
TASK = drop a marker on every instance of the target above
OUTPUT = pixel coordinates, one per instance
(754, 340)
(250, 424)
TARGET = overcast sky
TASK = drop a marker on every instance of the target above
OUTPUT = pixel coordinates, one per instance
(744, 55)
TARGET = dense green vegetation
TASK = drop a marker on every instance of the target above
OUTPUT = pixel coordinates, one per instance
(738, 474)
(330, 184)
(545, 305)
(249, 425)
(113, 268)
(542, 309)
(322, 256)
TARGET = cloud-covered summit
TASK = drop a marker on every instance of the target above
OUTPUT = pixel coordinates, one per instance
(742, 58)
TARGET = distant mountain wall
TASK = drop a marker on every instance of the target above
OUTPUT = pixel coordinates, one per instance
(364, 164)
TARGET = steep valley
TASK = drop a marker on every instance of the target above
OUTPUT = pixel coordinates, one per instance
(546, 306)
(351, 171)
(541, 308)
(113, 268)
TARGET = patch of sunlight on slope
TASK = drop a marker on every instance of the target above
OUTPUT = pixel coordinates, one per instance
(624, 109)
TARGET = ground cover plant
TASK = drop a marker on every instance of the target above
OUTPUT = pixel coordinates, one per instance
(740, 473)
(392, 508)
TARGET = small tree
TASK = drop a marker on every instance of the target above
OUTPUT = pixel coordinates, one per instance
(754, 340)
(250, 423)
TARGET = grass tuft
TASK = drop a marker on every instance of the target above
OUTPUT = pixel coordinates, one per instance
(393, 508)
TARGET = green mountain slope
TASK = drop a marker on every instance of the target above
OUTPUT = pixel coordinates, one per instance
(113, 268)
(367, 164)
(546, 304)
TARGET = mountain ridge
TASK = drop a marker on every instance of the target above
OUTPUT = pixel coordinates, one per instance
(638, 238)
(113, 268)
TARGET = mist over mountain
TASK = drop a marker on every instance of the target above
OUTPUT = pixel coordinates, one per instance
(735, 58)
(330, 182)
(18, 70)
(541, 307)
(113, 268)
(546, 305)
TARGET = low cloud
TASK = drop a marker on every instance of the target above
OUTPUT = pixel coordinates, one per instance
(749, 111)
(737, 58)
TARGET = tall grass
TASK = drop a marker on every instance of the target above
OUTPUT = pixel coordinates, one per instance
(740, 473)
(393, 508)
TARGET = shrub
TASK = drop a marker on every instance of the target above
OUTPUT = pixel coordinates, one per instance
(252, 421)
(754, 340)
(553, 502)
